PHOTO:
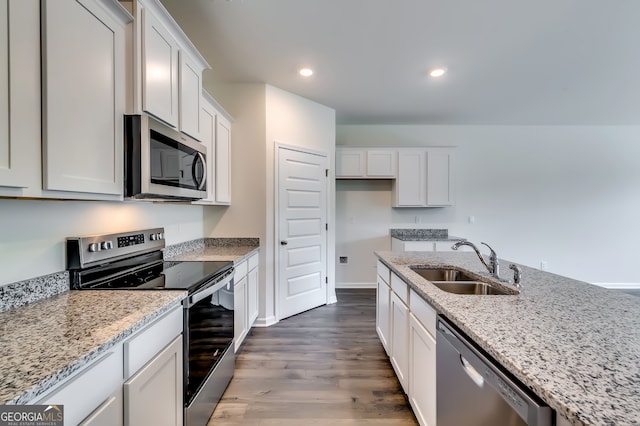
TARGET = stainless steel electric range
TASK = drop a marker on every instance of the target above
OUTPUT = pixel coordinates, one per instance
(134, 261)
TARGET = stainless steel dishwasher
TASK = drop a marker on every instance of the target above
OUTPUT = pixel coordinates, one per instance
(472, 390)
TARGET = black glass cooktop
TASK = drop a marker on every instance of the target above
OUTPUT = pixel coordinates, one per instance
(149, 272)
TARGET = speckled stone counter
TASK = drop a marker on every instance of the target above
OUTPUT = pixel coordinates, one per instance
(45, 342)
(576, 345)
(423, 235)
(213, 249)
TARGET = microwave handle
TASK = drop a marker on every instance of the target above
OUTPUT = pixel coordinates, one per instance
(199, 184)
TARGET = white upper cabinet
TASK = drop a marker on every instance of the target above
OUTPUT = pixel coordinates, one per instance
(159, 69)
(19, 96)
(381, 163)
(367, 163)
(83, 96)
(424, 178)
(411, 185)
(190, 95)
(216, 135)
(166, 78)
(439, 188)
(223, 160)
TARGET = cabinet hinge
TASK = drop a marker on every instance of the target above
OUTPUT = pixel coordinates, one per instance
(326, 172)
(326, 226)
(326, 280)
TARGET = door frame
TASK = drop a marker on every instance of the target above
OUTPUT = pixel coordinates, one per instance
(276, 221)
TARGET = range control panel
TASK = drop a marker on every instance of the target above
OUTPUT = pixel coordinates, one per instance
(85, 251)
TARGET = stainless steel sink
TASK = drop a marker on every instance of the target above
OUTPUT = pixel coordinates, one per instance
(443, 274)
(458, 282)
(467, 287)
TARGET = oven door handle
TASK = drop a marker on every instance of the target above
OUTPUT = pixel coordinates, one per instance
(208, 291)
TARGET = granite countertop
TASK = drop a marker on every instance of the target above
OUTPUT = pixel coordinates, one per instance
(45, 342)
(423, 235)
(576, 345)
(235, 250)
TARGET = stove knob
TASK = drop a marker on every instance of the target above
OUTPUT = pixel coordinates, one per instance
(94, 247)
(106, 245)
(153, 237)
(161, 235)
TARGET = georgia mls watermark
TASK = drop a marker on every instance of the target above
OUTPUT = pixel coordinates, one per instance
(31, 415)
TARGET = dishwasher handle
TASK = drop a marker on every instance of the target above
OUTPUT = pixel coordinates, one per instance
(485, 372)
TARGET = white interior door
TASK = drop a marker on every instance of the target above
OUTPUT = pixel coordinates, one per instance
(302, 211)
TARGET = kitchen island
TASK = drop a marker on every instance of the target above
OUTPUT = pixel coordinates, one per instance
(575, 345)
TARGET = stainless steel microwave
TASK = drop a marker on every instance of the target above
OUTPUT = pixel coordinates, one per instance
(162, 163)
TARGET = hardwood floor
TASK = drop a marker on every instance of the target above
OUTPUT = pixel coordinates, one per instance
(322, 367)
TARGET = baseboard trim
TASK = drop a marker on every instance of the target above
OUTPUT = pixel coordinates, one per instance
(355, 285)
(265, 322)
(619, 286)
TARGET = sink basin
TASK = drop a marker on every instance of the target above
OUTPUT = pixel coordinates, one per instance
(467, 287)
(442, 274)
(457, 282)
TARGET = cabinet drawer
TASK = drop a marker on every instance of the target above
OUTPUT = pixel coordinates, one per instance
(144, 345)
(241, 270)
(88, 389)
(253, 261)
(400, 288)
(423, 312)
(383, 272)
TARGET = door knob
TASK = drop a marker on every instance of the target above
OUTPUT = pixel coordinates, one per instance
(284, 243)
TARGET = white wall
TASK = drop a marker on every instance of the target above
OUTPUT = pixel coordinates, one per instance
(33, 232)
(566, 195)
(264, 116)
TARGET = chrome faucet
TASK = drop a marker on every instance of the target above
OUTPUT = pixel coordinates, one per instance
(493, 267)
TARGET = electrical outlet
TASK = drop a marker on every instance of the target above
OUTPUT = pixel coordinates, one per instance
(344, 259)
(543, 265)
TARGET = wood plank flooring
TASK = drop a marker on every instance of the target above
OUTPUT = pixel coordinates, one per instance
(325, 366)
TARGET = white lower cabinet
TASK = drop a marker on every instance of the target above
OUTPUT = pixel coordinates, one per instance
(422, 372)
(410, 342)
(153, 396)
(382, 313)
(240, 327)
(246, 283)
(399, 353)
(137, 382)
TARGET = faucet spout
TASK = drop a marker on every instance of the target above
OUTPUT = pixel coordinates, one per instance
(493, 267)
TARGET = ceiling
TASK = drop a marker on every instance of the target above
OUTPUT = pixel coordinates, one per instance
(556, 62)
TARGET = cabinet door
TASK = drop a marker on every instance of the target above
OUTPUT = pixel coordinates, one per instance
(400, 339)
(19, 94)
(208, 137)
(83, 97)
(381, 163)
(439, 191)
(153, 396)
(422, 373)
(350, 163)
(410, 186)
(159, 70)
(190, 90)
(252, 296)
(223, 160)
(382, 314)
(240, 312)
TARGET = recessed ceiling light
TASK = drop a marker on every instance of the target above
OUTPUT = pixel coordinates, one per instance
(306, 72)
(437, 72)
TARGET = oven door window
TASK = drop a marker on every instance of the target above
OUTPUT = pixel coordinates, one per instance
(175, 164)
(210, 325)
